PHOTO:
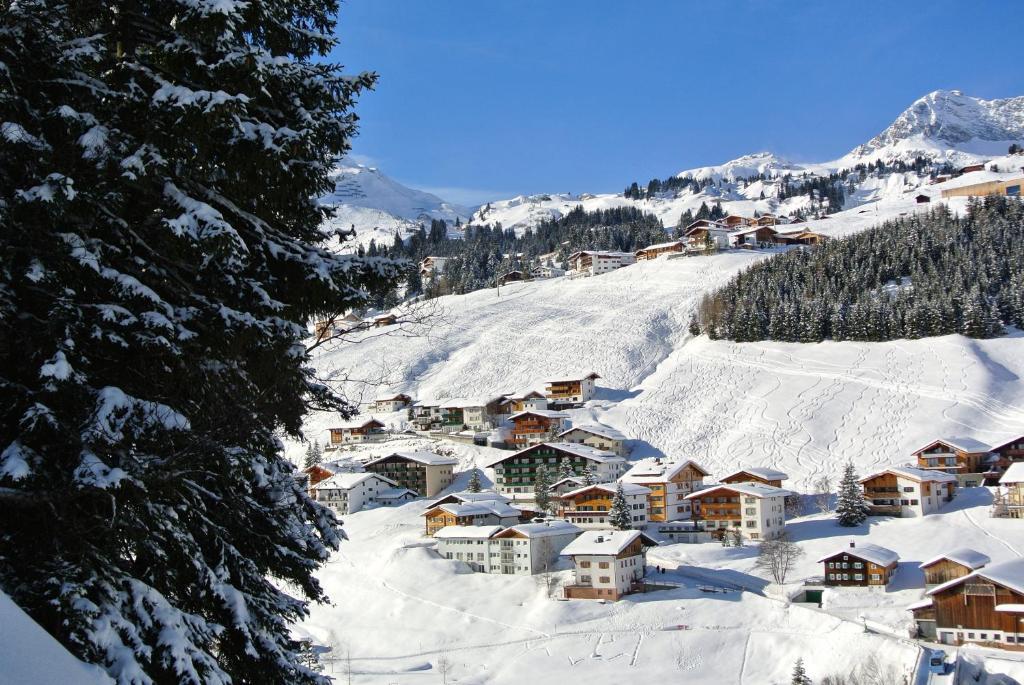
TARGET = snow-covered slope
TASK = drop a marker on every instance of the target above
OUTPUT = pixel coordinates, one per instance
(377, 205)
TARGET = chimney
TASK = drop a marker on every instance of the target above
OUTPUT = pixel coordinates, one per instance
(600, 538)
(852, 544)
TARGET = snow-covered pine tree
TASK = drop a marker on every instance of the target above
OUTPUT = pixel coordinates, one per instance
(589, 475)
(542, 488)
(474, 481)
(158, 266)
(619, 516)
(851, 509)
(314, 455)
(800, 676)
(565, 470)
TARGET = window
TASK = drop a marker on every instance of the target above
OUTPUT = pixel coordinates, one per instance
(831, 576)
(751, 524)
(750, 511)
(876, 576)
(908, 489)
(858, 576)
(857, 564)
(602, 564)
(1013, 191)
(584, 579)
(584, 564)
(604, 579)
(914, 502)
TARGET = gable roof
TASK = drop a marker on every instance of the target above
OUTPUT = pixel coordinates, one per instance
(357, 424)
(568, 448)
(1009, 574)
(426, 458)
(704, 223)
(391, 398)
(758, 490)
(347, 481)
(1014, 473)
(473, 532)
(964, 556)
(658, 246)
(582, 376)
(477, 508)
(596, 429)
(876, 554)
(627, 489)
(568, 479)
(914, 473)
(755, 229)
(1018, 438)
(605, 542)
(395, 493)
(760, 472)
(544, 413)
(541, 530)
(653, 470)
(962, 444)
(467, 496)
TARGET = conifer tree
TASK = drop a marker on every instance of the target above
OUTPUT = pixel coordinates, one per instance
(800, 676)
(314, 454)
(589, 475)
(160, 259)
(474, 481)
(851, 508)
(565, 470)
(619, 516)
(542, 488)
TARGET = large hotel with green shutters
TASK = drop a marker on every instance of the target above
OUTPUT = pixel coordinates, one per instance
(515, 474)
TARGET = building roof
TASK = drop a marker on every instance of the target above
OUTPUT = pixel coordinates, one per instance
(426, 458)
(596, 429)
(959, 443)
(1010, 608)
(704, 223)
(1014, 473)
(656, 470)
(395, 493)
(964, 556)
(1018, 438)
(920, 605)
(546, 413)
(571, 448)
(478, 508)
(357, 424)
(604, 542)
(602, 253)
(658, 246)
(754, 229)
(1009, 574)
(472, 532)
(576, 480)
(752, 489)
(347, 481)
(760, 472)
(883, 556)
(582, 376)
(914, 473)
(390, 398)
(627, 489)
(467, 496)
(545, 529)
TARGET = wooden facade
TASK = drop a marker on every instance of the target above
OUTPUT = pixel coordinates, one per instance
(943, 571)
(529, 429)
(847, 569)
(748, 477)
(655, 251)
(944, 456)
(968, 610)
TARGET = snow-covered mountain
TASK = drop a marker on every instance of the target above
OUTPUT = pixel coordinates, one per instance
(943, 126)
(376, 206)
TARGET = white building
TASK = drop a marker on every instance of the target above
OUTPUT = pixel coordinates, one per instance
(366, 430)
(608, 563)
(669, 482)
(432, 265)
(514, 474)
(907, 491)
(545, 271)
(391, 403)
(524, 549)
(590, 505)
(761, 509)
(572, 389)
(347, 493)
(602, 437)
(597, 262)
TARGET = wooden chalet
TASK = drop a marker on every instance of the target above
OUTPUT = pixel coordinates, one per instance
(757, 474)
(370, 430)
(390, 403)
(952, 565)
(922, 199)
(1005, 454)
(590, 505)
(515, 474)
(907, 491)
(735, 221)
(432, 265)
(705, 234)
(669, 483)
(765, 220)
(492, 512)
(535, 426)
(800, 238)
(384, 320)
(866, 565)
(755, 236)
(572, 390)
(957, 456)
(985, 607)
(513, 276)
(655, 251)
(969, 168)
(425, 473)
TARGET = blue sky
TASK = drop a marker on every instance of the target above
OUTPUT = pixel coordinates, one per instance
(486, 100)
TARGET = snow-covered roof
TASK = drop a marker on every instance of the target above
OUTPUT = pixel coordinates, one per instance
(754, 229)
(472, 532)
(915, 474)
(461, 403)
(627, 489)
(760, 472)
(427, 458)
(655, 470)
(658, 246)
(883, 556)
(394, 493)
(363, 423)
(1014, 473)
(546, 413)
(920, 605)
(480, 508)
(601, 542)
(347, 481)
(390, 398)
(960, 443)
(572, 448)
(467, 496)
(545, 529)
(602, 253)
(964, 556)
(583, 375)
(1009, 574)
(596, 429)
(568, 479)
(1016, 438)
(1010, 608)
(751, 489)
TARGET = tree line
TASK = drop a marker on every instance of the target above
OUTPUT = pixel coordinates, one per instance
(924, 275)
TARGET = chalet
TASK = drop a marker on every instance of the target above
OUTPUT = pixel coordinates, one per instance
(1008, 187)
(535, 426)
(467, 496)
(983, 607)
(704, 223)
(1010, 499)
(567, 484)
(963, 457)
(865, 565)
(547, 271)
(754, 237)
(950, 565)
(907, 492)
(757, 474)
(669, 483)
(524, 549)
(311, 475)
(425, 473)
(425, 414)
(608, 563)
(765, 220)
(389, 403)
(394, 496)
(347, 493)
(800, 238)
(531, 399)
(327, 328)
(384, 320)
(513, 276)
(655, 251)
(571, 391)
(757, 511)
(474, 414)
(600, 437)
(589, 506)
(597, 262)
(370, 430)
(735, 221)
(1005, 454)
(970, 168)
(432, 265)
(710, 237)
(922, 199)
(514, 474)
(485, 512)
